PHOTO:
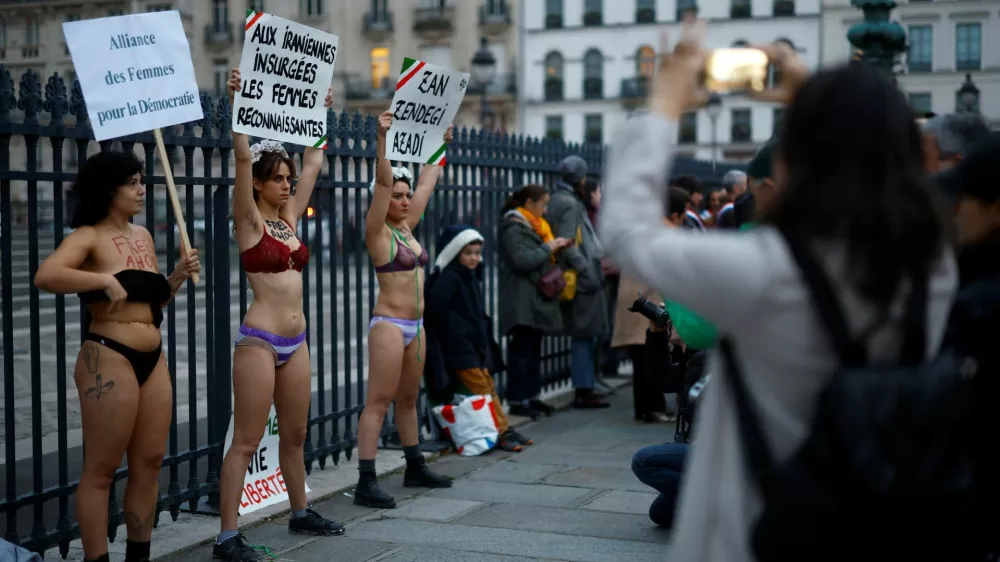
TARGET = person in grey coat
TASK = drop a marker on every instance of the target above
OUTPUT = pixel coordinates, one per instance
(586, 315)
(526, 251)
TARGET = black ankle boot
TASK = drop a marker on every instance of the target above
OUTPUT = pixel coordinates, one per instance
(419, 475)
(369, 494)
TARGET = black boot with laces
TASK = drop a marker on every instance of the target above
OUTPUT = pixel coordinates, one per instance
(369, 494)
(236, 549)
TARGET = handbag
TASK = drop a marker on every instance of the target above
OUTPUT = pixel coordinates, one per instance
(568, 291)
(552, 283)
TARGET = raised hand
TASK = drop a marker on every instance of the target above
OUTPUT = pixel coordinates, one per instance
(677, 87)
(329, 98)
(188, 264)
(449, 134)
(233, 85)
(384, 122)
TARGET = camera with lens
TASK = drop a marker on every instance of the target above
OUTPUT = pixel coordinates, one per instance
(652, 311)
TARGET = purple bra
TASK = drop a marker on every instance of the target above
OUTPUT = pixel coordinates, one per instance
(405, 260)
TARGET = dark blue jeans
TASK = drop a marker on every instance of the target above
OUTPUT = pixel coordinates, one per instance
(661, 467)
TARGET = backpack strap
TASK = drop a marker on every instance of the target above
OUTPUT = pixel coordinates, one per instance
(755, 446)
(851, 352)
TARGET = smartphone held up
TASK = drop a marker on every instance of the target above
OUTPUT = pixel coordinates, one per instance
(736, 69)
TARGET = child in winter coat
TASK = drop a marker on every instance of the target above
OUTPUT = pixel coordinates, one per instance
(454, 314)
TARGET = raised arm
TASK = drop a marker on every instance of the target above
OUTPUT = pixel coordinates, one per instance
(375, 219)
(429, 175)
(60, 273)
(246, 218)
(312, 163)
(695, 270)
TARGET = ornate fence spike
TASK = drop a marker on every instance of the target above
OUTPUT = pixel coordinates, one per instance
(223, 116)
(8, 99)
(208, 115)
(78, 105)
(55, 99)
(331, 129)
(29, 96)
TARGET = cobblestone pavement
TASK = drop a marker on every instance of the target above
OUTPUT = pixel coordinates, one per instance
(571, 496)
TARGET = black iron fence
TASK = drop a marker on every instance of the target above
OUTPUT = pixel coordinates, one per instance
(44, 135)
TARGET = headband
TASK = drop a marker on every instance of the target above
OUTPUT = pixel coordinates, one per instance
(258, 150)
(397, 174)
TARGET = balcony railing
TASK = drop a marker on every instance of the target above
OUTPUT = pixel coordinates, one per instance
(784, 7)
(438, 18)
(501, 84)
(494, 15)
(553, 21)
(592, 19)
(741, 11)
(645, 15)
(377, 23)
(218, 33)
(29, 51)
(635, 88)
(593, 88)
(364, 88)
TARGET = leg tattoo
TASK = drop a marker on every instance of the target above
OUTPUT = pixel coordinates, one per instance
(137, 527)
(91, 353)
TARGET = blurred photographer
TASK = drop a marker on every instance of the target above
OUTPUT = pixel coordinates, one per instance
(630, 332)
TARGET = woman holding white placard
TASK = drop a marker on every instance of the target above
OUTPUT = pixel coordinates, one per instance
(271, 359)
(395, 345)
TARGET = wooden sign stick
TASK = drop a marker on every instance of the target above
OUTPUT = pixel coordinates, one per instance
(172, 192)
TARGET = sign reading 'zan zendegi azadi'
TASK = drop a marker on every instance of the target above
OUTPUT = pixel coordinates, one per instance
(426, 101)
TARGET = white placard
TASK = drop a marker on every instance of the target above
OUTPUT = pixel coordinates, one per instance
(426, 101)
(286, 69)
(135, 72)
(263, 484)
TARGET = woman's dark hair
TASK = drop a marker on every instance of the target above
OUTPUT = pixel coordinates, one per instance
(96, 183)
(530, 192)
(590, 185)
(688, 183)
(677, 201)
(855, 172)
(267, 167)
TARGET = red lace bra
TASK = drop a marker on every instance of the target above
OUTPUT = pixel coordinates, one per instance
(272, 256)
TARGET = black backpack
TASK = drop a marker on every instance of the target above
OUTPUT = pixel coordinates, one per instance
(886, 471)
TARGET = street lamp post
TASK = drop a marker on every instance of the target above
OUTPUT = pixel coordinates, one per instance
(484, 70)
(713, 108)
(878, 39)
(968, 96)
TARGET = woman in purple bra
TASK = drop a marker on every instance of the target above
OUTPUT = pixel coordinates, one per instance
(271, 359)
(395, 346)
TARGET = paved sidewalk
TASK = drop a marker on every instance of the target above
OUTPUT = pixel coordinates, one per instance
(570, 496)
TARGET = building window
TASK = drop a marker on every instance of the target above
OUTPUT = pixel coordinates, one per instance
(783, 8)
(553, 14)
(593, 12)
(920, 102)
(115, 13)
(684, 6)
(31, 35)
(740, 9)
(645, 61)
(553, 76)
(220, 15)
(968, 45)
(741, 129)
(69, 17)
(921, 48)
(645, 11)
(380, 68)
(159, 8)
(593, 128)
(593, 72)
(311, 8)
(689, 129)
(255, 5)
(778, 119)
(554, 127)
(220, 75)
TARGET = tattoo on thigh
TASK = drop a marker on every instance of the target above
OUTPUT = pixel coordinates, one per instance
(100, 388)
(137, 527)
(91, 353)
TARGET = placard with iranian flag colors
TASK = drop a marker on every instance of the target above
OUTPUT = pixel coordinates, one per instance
(286, 70)
(426, 101)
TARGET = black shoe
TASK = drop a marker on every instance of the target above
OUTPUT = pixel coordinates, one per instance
(314, 524)
(524, 411)
(369, 494)
(236, 549)
(588, 400)
(419, 475)
(542, 407)
(515, 435)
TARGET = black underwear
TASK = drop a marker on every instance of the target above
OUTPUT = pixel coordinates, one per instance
(143, 362)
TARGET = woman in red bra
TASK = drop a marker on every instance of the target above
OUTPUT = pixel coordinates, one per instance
(120, 374)
(271, 359)
(395, 346)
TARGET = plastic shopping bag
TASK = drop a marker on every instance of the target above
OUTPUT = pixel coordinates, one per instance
(471, 424)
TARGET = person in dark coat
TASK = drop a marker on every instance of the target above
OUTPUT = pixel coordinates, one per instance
(455, 314)
(585, 315)
(527, 249)
(975, 320)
